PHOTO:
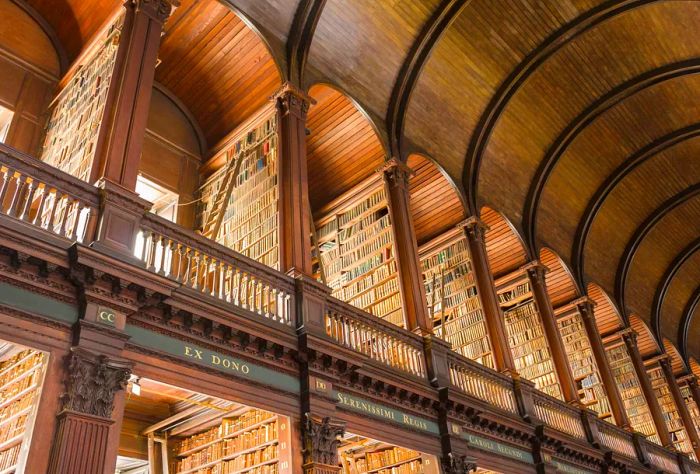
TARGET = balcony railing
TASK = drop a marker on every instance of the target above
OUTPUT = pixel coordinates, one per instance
(662, 458)
(379, 340)
(559, 415)
(487, 385)
(616, 439)
(46, 198)
(214, 271)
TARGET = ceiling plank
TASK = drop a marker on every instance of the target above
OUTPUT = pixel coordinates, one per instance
(300, 38)
(683, 327)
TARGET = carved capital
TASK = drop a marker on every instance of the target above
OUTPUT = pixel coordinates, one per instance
(536, 271)
(292, 100)
(92, 382)
(322, 437)
(693, 381)
(630, 337)
(159, 10)
(458, 464)
(396, 173)
(474, 228)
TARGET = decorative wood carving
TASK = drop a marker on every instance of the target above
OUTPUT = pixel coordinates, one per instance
(322, 437)
(458, 464)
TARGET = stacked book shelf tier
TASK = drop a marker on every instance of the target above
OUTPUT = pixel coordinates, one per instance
(249, 178)
(385, 459)
(77, 112)
(453, 300)
(674, 423)
(355, 245)
(252, 443)
(526, 337)
(630, 388)
(689, 400)
(21, 378)
(583, 364)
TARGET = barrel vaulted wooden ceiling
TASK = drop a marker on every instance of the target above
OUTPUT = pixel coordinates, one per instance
(578, 121)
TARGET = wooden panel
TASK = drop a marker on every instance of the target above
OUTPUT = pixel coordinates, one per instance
(694, 333)
(22, 37)
(607, 318)
(504, 246)
(342, 147)
(695, 367)
(679, 293)
(677, 362)
(216, 65)
(75, 21)
(646, 343)
(561, 287)
(435, 205)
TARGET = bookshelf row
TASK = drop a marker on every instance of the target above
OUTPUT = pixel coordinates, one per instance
(691, 404)
(72, 129)
(674, 423)
(366, 457)
(249, 224)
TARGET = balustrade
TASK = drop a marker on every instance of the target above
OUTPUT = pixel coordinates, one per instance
(46, 198)
(616, 439)
(662, 458)
(482, 383)
(558, 415)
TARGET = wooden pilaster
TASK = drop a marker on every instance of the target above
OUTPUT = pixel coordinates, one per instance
(586, 310)
(630, 339)
(118, 149)
(536, 275)
(295, 212)
(681, 406)
(474, 230)
(415, 306)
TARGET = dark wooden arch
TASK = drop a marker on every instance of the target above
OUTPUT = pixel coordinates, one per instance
(584, 119)
(640, 234)
(683, 327)
(420, 51)
(61, 53)
(596, 202)
(300, 37)
(519, 76)
(668, 277)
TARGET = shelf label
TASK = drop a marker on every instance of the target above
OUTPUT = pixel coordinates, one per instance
(499, 448)
(225, 363)
(383, 412)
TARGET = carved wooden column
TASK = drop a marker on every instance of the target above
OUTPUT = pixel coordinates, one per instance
(475, 230)
(415, 306)
(536, 275)
(118, 149)
(82, 436)
(321, 440)
(295, 211)
(630, 339)
(585, 308)
(681, 406)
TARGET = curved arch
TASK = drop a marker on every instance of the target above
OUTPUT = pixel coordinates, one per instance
(690, 308)
(608, 317)
(505, 248)
(585, 118)
(303, 28)
(561, 285)
(519, 76)
(646, 342)
(412, 66)
(694, 366)
(641, 232)
(343, 144)
(202, 140)
(678, 364)
(666, 280)
(632, 162)
(50, 33)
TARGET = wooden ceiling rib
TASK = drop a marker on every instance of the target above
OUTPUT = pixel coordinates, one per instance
(342, 147)
(677, 363)
(646, 343)
(694, 367)
(504, 247)
(607, 317)
(217, 66)
(435, 205)
(560, 284)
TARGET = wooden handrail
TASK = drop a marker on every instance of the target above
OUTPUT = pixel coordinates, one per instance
(559, 415)
(616, 439)
(662, 458)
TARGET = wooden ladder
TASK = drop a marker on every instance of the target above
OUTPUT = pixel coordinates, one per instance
(215, 216)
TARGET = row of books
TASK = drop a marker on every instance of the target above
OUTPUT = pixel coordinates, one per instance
(237, 464)
(372, 279)
(368, 228)
(375, 199)
(225, 468)
(451, 255)
(228, 427)
(265, 434)
(673, 420)
(379, 292)
(520, 290)
(380, 459)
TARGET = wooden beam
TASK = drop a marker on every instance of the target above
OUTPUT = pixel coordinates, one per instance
(300, 37)
(588, 116)
(683, 327)
(666, 280)
(519, 76)
(640, 234)
(631, 163)
(412, 67)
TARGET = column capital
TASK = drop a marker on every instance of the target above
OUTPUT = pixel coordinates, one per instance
(396, 173)
(292, 100)
(629, 336)
(535, 270)
(460, 464)
(92, 382)
(158, 10)
(322, 437)
(692, 380)
(474, 227)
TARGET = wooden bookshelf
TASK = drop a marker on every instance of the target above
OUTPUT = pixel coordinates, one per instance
(246, 192)
(21, 378)
(674, 423)
(526, 337)
(583, 364)
(356, 248)
(630, 389)
(76, 114)
(255, 442)
(453, 299)
(379, 458)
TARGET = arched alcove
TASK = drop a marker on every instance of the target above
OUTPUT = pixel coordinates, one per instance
(607, 316)
(504, 246)
(561, 285)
